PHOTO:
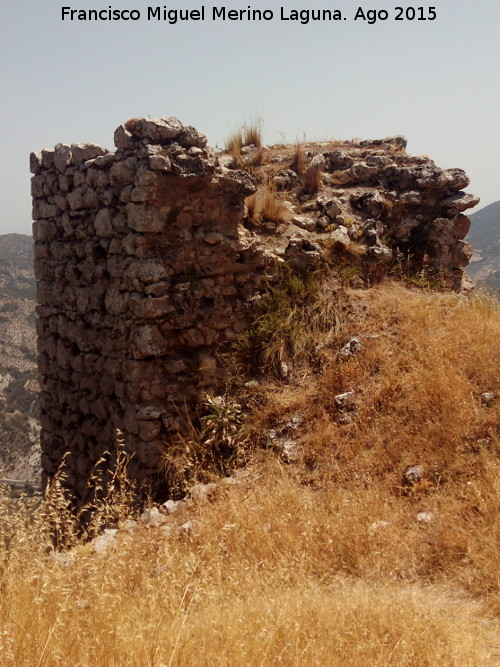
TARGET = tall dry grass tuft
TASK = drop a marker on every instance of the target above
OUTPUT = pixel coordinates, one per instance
(265, 205)
(234, 144)
(338, 253)
(298, 163)
(313, 179)
(249, 135)
(110, 497)
(252, 134)
(258, 158)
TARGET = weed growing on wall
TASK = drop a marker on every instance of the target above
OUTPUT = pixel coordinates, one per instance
(297, 308)
(209, 446)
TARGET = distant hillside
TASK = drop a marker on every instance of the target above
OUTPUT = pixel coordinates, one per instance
(19, 450)
(16, 266)
(484, 236)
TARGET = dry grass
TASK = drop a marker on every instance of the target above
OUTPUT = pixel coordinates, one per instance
(298, 163)
(267, 172)
(234, 144)
(426, 360)
(258, 158)
(356, 250)
(313, 179)
(250, 134)
(275, 573)
(265, 205)
(297, 311)
(337, 252)
(319, 563)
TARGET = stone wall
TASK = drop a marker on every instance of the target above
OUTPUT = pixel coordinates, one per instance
(146, 262)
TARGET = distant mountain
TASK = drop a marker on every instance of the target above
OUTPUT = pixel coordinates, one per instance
(484, 236)
(16, 266)
(19, 428)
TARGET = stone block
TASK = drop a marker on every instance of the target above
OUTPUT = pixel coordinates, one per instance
(161, 130)
(147, 341)
(86, 151)
(42, 210)
(35, 162)
(103, 223)
(146, 218)
(62, 157)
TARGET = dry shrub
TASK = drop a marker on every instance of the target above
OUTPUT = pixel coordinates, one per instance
(234, 144)
(206, 449)
(265, 205)
(252, 134)
(313, 179)
(129, 124)
(298, 163)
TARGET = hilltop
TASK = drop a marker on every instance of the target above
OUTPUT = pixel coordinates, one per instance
(359, 523)
(281, 340)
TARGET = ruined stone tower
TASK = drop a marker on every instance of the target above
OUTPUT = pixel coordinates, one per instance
(145, 264)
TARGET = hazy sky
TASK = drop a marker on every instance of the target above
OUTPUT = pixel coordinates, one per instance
(437, 82)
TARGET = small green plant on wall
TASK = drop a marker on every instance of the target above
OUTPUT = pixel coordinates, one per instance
(293, 312)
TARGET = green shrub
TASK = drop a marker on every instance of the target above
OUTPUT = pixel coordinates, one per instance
(297, 310)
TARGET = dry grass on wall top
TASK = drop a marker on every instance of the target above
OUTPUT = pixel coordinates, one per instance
(318, 563)
(265, 205)
(250, 134)
(234, 144)
(298, 163)
(313, 179)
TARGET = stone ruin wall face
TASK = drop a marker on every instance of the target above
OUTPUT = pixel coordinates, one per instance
(141, 271)
(144, 267)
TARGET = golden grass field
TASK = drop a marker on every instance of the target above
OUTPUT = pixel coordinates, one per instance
(319, 562)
